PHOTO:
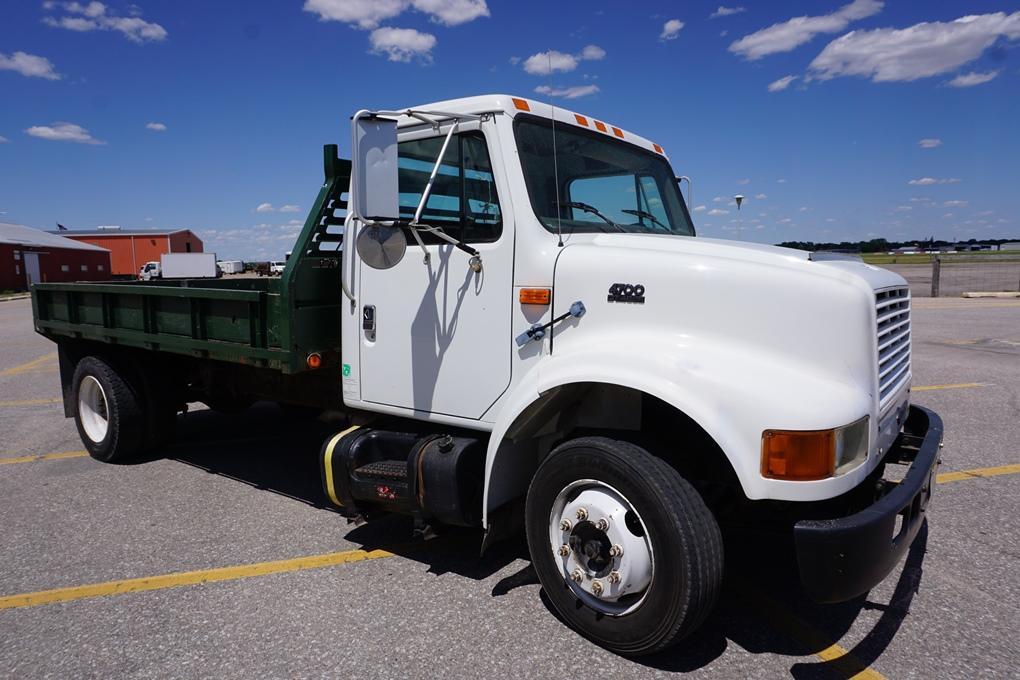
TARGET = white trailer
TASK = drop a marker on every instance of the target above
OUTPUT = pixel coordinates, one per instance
(188, 266)
(231, 266)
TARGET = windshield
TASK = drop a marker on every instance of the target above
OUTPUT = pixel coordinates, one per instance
(604, 185)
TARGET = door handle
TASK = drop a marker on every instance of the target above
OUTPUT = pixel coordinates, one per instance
(368, 321)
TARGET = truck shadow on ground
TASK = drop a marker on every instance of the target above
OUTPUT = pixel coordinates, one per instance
(762, 609)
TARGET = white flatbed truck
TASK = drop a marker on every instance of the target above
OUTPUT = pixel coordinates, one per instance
(520, 290)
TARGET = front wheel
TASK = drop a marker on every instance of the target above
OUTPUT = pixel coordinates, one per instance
(625, 548)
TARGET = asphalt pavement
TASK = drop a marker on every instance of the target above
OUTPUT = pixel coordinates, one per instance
(221, 558)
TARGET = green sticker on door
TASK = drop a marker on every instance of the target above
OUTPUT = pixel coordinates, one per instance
(347, 370)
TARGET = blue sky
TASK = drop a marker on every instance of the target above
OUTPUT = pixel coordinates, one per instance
(847, 120)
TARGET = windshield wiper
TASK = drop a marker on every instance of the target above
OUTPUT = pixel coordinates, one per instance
(594, 211)
(648, 216)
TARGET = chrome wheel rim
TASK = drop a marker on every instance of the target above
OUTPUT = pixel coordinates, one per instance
(602, 547)
(93, 411)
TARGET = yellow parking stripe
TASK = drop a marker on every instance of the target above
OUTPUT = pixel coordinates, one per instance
(840, 660)
(947, 477)
(951, 386)
(60, 455)
(189, 578)
(30, 402)
(34, 365)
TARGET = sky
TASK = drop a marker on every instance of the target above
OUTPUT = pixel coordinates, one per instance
(836, 120)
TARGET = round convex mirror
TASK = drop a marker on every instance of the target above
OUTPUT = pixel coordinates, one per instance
(381, 247)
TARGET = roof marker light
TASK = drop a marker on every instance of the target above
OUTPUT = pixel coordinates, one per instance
(658, 149)
(600, 126)
(520, 104)
(618, 132)
(581, 120)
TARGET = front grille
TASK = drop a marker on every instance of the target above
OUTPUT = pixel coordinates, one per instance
(892, 322)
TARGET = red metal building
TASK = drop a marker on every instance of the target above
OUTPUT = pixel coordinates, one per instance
(130, 249)
(30, 256)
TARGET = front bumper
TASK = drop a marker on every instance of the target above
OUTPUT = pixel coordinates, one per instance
(842, 558)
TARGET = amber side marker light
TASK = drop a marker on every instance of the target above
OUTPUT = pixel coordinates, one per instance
(535, 296)
(798, 455)
(314, 360)
(520, 104)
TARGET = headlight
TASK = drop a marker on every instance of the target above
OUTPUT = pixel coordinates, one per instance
(799, 455)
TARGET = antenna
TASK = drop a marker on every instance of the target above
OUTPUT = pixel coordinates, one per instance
(556, 169)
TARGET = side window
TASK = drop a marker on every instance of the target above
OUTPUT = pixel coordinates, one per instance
(463, 199)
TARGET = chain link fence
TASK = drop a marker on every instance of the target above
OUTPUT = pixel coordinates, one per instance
(954, 275)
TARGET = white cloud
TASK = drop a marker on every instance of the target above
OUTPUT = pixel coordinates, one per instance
(700, 208)
(781, 84)
(368, 14)
(158, 127)
(402, 44)
(785, 220)
(971, 79)
(929, 142)
(290, 208)
(671, 29)
(928, 181)
(760, 197)
(362, 13)
(718, 199)
(264, 208)
(544, 63)
(903, 208)
(452, 12)
(29, 65)
(568, 92)
(744, 180)
(63, 132)
(554, 61)
(726, 11)
(3, 140)
(781, 180)
(786, 36)
(918, 51)
(718, 211)
(803, 208)
(95, 17)
(954, 204)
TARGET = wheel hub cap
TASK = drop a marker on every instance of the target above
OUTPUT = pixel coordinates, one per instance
(609, 549)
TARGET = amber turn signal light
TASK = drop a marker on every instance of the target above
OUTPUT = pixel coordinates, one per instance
(535, 296)
(798, 455)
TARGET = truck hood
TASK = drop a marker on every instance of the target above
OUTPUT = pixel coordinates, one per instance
(712, 249)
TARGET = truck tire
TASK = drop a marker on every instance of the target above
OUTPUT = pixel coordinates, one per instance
(107, 411)
(626, 551)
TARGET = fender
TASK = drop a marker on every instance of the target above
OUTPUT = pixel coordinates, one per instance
(734, 391)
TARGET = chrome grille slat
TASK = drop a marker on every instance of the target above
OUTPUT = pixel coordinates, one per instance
(892, 330)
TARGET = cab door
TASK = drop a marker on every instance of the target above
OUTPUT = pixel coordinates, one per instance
(435, 335)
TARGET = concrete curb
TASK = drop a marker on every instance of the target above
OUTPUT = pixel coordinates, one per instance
(980, 294)
(15, 297)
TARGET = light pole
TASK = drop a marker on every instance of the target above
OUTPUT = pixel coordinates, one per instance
(739, 198)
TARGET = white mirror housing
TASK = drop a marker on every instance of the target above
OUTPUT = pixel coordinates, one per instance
(374, 185)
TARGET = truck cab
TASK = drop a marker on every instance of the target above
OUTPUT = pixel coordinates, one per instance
(513, 309)
(149, 271)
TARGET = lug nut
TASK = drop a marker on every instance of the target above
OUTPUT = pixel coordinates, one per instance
(596, 587)
(602, 524)
(577, 575)
(582, 514)
(565, 525)
(614, 577)
(616, 551)
(564, 550)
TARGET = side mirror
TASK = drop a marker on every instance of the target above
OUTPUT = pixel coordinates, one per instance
(374, 185)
